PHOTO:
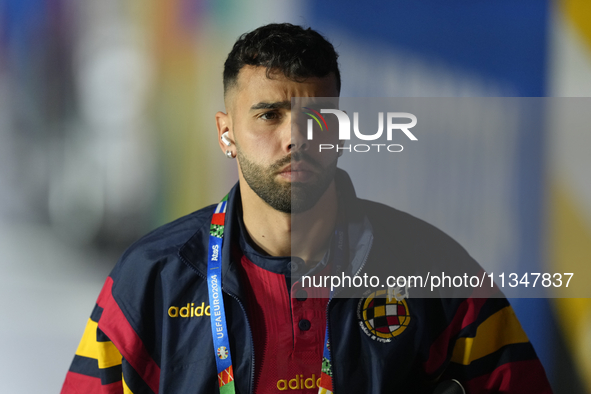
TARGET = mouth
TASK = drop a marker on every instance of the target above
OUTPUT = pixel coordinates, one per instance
(297, 172)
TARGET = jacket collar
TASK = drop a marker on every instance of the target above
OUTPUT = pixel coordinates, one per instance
(194, 251)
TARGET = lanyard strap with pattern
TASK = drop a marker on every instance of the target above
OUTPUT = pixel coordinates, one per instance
(219, 329)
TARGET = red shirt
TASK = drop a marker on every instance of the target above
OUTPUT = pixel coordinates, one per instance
(288, 329)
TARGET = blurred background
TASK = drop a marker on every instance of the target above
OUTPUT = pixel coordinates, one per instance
(107, 131)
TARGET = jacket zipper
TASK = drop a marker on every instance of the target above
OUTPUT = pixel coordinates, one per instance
(251, 339)
(246, 317)
(327, 308)
(330, 346)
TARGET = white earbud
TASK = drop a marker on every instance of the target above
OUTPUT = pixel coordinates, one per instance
(225, 139)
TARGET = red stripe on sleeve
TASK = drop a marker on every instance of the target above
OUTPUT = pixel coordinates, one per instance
(82, 384)
(515, 377)
(114, 324)
(465, 315)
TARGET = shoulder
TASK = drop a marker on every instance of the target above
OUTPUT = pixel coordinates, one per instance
(168, 238)
(404, 245)
(402, 228)
(396, 228)
(139, 269)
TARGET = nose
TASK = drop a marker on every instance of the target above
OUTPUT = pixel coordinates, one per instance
(297, 133)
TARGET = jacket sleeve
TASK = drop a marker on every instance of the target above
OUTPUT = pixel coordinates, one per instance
(96, 367)
(111, 358)
(492, 354)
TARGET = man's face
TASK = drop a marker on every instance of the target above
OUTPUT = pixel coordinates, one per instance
(275, 159)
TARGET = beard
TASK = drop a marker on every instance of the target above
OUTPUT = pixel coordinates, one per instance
(286, 197)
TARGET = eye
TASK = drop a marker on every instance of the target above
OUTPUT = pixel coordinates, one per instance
(271, 115)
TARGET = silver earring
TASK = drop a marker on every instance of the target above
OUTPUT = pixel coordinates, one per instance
(229, 154)
(225, 139)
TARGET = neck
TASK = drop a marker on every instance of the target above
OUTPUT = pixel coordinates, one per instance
(306, 234)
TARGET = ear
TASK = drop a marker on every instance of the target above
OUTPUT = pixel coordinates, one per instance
(224, 125)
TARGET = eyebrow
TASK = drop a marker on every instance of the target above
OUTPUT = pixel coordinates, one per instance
(275, 105)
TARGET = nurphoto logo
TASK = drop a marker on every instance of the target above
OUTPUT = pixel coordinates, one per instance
(344, 122)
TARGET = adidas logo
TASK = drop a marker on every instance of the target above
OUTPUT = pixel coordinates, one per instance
(298, 383)
(189, 311)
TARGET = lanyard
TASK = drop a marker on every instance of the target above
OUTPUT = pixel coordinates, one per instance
(219, 328)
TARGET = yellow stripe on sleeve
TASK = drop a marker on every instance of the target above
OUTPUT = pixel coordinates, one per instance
(498, 330)
(105, 352)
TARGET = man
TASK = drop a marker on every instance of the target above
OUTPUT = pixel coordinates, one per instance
(212, 301)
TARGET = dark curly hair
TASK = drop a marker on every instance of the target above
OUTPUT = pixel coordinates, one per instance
(297, 52)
